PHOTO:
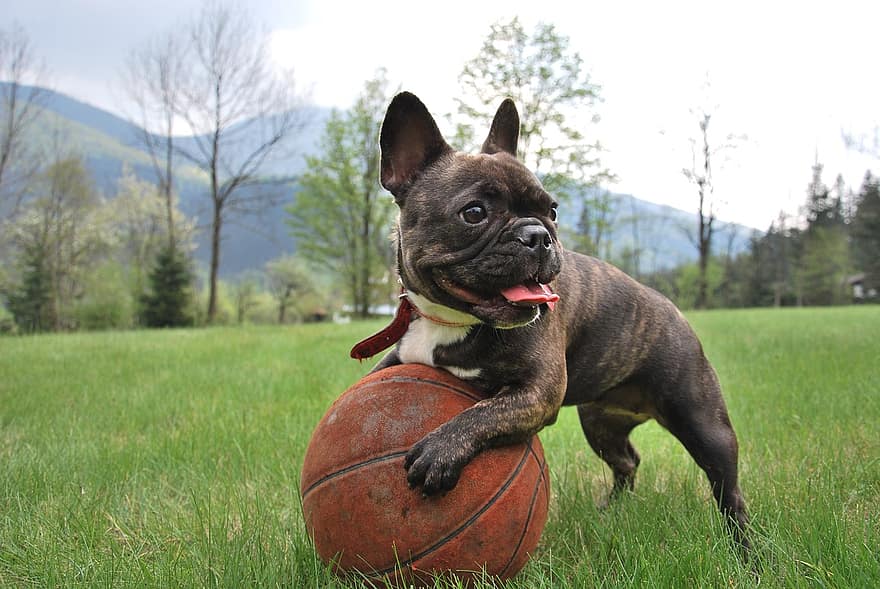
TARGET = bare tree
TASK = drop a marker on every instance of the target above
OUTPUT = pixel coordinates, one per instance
(239, 111)
(700, 174)
(152, 77)
(703, 154)
(593, 232)
(287, 276)
(20, 107)
(245, 291)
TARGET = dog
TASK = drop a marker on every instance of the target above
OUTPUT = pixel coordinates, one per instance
(491, 295)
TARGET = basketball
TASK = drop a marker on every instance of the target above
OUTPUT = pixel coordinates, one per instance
(363, 517)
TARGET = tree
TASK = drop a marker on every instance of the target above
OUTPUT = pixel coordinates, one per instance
(138, 220)
(244, 292)
(556, 99)
(821, 209)
(594, 223)
(288, 277)
(29, 303)
(866, 232)
(689, 285)
(60, 228)
(240, 112)
(703, 153)
(762, 276)
(824, 261)
(784, 246)
(153, 77)
(20, 108)
(635, 251)
(167, 301)
(341, 217)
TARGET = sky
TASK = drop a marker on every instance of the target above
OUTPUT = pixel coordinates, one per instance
(788, 78)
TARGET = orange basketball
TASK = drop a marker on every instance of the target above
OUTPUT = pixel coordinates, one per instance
(361, 513)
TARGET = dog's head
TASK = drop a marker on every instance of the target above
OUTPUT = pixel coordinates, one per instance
(477, 232)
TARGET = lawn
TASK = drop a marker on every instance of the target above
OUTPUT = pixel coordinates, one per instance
(171, 458)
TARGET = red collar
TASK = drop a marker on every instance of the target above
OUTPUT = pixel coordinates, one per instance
(390, 335)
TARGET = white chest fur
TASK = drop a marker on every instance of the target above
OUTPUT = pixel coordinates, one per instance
(421, 339)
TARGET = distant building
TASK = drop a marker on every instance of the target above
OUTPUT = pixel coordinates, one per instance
(859, 293)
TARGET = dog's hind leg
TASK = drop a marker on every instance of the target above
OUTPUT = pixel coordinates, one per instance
(705, 430)
(607, 431)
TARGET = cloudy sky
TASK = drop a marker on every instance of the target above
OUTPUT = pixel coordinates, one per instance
(789, 76)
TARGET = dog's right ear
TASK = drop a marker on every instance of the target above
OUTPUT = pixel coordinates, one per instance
(410, 141)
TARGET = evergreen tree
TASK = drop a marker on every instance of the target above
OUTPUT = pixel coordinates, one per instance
(29, 305)
(866, 232)
(167, 303)
(822, 209)
(754, 271)
(824, 261)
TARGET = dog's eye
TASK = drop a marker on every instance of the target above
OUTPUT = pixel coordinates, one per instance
(473, 213)
(554, 214)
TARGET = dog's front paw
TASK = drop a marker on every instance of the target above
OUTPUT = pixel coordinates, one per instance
(435, 465)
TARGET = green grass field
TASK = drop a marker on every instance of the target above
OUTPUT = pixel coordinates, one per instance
(171, 458)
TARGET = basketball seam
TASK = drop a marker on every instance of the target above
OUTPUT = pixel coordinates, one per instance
(394, 379)
(402, 379)
(522, 536)
(451, 535)
(352, 467)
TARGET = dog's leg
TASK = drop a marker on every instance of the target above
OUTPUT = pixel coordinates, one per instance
(608, 435)
(704, 429)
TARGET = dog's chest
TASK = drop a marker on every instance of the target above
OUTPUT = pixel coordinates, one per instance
(423, 337)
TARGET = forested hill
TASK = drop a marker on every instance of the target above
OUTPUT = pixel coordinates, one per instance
(108, 142)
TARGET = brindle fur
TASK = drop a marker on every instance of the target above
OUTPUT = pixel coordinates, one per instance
(619, 351)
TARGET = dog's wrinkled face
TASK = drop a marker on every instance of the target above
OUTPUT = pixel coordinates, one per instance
(477, 232)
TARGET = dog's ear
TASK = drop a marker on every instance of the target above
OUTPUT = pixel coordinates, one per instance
(410, 141)
(504, 133)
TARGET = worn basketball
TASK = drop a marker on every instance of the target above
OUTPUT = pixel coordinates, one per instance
(364, 518)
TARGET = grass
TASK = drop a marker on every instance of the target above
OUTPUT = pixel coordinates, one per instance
(171, 459)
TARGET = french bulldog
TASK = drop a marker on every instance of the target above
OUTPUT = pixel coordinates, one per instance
(491, 295)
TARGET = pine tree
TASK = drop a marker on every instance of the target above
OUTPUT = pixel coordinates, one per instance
(29, 305)
(822, 210)
(866, 232)
(824, 260)
(167, 303)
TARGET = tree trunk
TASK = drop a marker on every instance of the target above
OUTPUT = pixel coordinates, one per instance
(702, 294)
(215, 262)
(168, 185)
(282, 305)
(219, 201)
(637, 247)
(702, 249)
(367, 258)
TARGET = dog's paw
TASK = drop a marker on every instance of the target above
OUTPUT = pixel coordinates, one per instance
(435, 465)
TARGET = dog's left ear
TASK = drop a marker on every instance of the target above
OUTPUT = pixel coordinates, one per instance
(504, 133)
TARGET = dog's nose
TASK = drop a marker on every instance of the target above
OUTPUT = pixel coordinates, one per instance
(534, 237)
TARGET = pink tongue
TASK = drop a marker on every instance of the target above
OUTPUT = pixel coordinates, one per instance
(531, 293)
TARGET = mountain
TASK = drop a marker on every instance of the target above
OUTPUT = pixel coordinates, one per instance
(664, 235)
(108, 143)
